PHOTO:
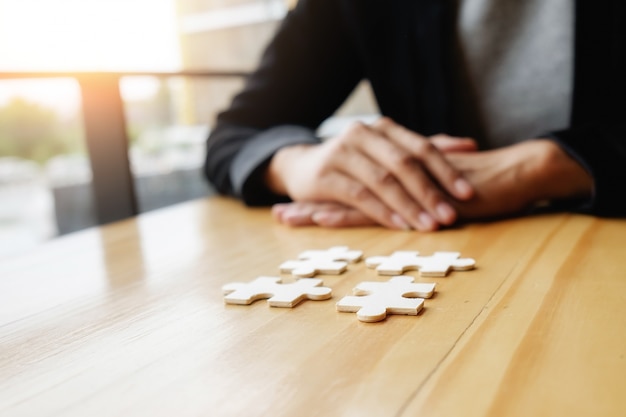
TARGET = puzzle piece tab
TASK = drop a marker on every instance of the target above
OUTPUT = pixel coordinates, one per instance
(372, 301)
(278, 294)
(335, 253)
(436, 265)
(332, 261)
(305, 268)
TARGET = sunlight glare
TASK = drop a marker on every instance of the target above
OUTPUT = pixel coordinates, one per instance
(98, 35)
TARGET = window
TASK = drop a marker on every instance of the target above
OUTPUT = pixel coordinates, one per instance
(46, 180)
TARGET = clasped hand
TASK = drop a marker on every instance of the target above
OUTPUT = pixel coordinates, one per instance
(386, 174)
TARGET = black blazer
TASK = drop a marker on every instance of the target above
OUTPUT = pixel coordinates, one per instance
(324, 48)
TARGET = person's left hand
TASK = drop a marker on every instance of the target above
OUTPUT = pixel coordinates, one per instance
(515, 178)
(508, 180)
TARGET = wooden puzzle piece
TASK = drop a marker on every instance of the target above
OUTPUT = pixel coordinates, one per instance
(372, 301)
(305, 268)
(332, 261)
(436, 265)
(335, 253)
(439, 263)
(278, 294)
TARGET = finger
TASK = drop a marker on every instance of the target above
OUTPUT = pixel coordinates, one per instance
(342, 217)
(279, 209)
(306, 213)
(413, 178)
(383, 183)
(355, 194)
(436, 164)
(327, 214)
(446, 143)
(293, 214)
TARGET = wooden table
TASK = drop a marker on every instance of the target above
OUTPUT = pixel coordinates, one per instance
(128, 319)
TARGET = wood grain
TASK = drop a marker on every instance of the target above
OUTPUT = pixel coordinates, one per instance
(128, 319)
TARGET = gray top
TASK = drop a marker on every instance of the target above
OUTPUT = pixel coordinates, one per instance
(516, 63)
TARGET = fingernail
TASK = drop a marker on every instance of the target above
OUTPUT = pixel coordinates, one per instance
(464, 189)
(319, 216)
(295, 217)
(399, 222)
(445, 212)
(278, 210)
(427, 221)
(324, 218)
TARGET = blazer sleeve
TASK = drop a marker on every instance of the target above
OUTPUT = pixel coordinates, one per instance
(597, 135)
(601, 150)
(305, 73)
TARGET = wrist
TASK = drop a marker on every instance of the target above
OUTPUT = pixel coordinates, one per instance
(273, 178)
(556, 175)
(279, 167)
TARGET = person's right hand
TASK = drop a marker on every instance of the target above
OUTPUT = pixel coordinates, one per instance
(394, 176)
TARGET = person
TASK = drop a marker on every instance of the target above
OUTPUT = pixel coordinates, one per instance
(489, 108)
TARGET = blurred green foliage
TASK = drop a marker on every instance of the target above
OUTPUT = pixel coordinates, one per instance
(35, 132)
(31, 131)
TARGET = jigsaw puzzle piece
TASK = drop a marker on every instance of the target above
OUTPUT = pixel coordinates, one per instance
(439, 263)
(335, 253)
(435, 265)
(277, 293)
(397, 263)
(306, 268)
(372, 301)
